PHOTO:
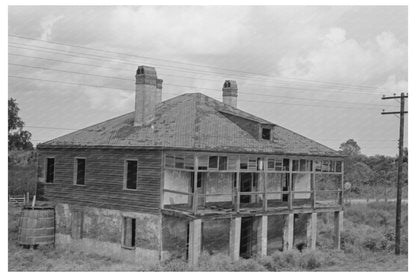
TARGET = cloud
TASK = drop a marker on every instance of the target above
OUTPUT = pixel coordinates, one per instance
(342, 59)
(180, 30)
(47, 25)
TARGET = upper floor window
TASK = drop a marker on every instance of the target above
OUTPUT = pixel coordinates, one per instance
(266, 133)
(50, 170)
(130, 174)
(79, 172)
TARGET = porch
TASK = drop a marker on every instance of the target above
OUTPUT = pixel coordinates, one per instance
(202, 184)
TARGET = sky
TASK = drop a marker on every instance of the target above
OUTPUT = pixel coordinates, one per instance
(320, 71)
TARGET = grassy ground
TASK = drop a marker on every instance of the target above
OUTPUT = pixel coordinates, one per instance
(367, 246)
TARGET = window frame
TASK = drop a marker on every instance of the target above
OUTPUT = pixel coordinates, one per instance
(124, 229)
(75, 176)
(46, 169)
(125, 174)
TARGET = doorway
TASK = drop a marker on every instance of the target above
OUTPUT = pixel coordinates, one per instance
(286, 184)
(248, 183)
(246, 240)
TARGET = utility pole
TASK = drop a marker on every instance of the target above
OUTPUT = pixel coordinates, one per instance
(400, 166)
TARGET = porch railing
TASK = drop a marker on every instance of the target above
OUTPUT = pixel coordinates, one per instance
(258, 200)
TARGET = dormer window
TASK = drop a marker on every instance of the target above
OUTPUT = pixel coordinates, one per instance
(266, 133)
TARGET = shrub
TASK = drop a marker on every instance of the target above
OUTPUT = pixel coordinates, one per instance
(285, 260)
(248, 265)
(175, 265)
(217, 262)
(311, 259)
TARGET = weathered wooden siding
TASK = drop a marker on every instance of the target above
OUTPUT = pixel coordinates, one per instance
(103, 179)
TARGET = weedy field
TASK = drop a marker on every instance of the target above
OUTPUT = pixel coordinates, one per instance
(367, 245)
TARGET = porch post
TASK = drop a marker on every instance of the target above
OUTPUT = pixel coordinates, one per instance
(311, 231)
(235, 236)
(237, 202)
(195, 241)
(288, 232)
(195, 184)
(338, 227)
(290, 193)
(262, 236)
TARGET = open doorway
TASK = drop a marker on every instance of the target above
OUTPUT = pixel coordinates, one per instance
(248, 183)
(247, 235)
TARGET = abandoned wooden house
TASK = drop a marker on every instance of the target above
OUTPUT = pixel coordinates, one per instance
(187, 175)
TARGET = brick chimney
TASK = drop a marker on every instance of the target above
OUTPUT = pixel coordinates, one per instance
(148, 95)
(229, 93)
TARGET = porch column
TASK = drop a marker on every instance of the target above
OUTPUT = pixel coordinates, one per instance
(288, 232)
(262, 236)
(311, 231)
(338, 227)
(195, 241)
(235, 236)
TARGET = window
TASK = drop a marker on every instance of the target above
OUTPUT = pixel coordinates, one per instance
(338, 167)
(213, 162)
(295, 165)
(179, 162)
(129, 232)
(286, 164)
(198, 182)
(244, 163)
(279, 165)
(50, 170)
(130, 175)
(270, 164)
(222, 163)
(266, 133)
(79, 173)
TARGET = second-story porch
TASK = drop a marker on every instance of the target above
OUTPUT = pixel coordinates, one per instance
(204, 184)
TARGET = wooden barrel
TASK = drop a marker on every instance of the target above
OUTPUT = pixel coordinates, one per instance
(37, 226)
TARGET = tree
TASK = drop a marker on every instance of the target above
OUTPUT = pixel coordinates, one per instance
(19, 139)
(350, 148)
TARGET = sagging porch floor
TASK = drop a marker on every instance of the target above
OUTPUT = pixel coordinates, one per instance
(224, 208)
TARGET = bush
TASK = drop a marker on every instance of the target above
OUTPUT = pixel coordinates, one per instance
(217, 262)
(175, 265)
(248, 265)
(311, 259)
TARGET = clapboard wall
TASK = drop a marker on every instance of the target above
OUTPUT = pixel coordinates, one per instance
(103, 179)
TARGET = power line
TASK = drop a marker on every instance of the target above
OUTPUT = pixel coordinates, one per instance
(320, 89)
(323, 89)
(176, 85)
(186, 63)
(129, 90)
(121, 69)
